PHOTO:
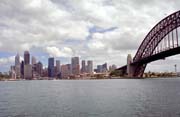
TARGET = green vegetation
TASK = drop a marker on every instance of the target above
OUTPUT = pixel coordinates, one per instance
(159, 74)
(4, 76)
(115, 73)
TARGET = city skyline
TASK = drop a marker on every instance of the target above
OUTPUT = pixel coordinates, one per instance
(17, 57)
(102, 30)
(24, 69)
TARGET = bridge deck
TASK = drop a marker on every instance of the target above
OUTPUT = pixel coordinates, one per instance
(159, 56)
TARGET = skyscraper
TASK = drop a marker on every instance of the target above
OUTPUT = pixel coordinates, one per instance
(27, 66)
(22, 69)
(51, 67)
(28, 71)
(58, 66)
(75, 65)
(99, 68)
(104, 67)
(39, 68)
(17, 66)
(17, 60)
(65, 71)
(33, 60)
(90, 67)
(26, 57)
(83, 66)
(12, 72)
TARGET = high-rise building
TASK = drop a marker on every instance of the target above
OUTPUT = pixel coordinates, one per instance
(112, 67)
(102, 68)
(17, 60)
(83, 66)
(65, 71)
(12, 72)
(69, 68)
(58, 67)
(75, 65)
(26, 57)
(45, 72)
(28, 71)
(33, 60)
(90, 67)
(22, 69)
(99, 68)
(34, 65)
(18, 71)
(39, 68)
(17, 66)
(51, 67)
(27, 67)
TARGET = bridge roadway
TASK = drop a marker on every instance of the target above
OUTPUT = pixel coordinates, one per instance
(159, 56)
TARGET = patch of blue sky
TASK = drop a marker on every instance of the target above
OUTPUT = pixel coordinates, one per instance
(6, 54)
(96, 29)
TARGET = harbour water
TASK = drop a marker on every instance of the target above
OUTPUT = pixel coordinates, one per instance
(91, 98)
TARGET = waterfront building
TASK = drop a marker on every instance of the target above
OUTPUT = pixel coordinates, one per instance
(51, 69)
(65, 71)
(18, 71)
(17, 60)
(12, 72)
(28, 71)
(99, 69)
(22, 69)
(27, 67)
(90, 67)
(75, 65)
(102, 68)
(83, 66)
(39, 68)
(34, 65)
(69, 68)
(45, 72)
(17, 66)
(58, 68)
(26, 57)
(112, 67)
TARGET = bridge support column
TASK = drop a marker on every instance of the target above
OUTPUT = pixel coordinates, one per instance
(130, 68)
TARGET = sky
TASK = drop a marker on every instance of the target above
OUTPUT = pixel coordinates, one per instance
(98, 30)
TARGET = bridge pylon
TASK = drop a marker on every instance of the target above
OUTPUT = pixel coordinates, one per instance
(130, 68)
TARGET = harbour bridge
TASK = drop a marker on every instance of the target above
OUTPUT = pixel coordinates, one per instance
(161, 42)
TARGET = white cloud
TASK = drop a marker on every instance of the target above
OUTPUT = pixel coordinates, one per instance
(56, 52)
(61, 27)
(4, 61)
(38, 23)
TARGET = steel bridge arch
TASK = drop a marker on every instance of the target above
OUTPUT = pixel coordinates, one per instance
(154, 37)
(157, 33)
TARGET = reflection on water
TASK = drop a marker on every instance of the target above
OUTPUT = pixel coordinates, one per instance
(91, 98)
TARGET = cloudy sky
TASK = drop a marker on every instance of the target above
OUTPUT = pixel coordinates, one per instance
(99, 30)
